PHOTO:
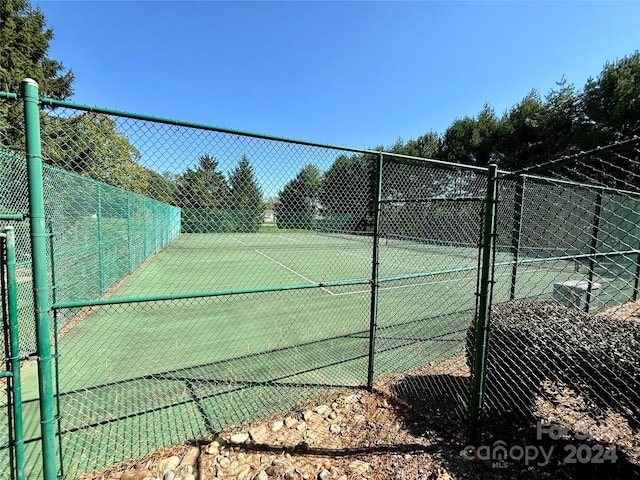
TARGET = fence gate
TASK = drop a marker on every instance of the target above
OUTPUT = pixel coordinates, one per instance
(430, 224)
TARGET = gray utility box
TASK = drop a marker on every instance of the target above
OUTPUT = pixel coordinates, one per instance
(573, 293)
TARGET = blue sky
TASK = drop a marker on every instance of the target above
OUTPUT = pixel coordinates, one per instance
(359, 74)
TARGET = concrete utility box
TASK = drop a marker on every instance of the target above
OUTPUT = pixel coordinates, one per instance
(573, 293)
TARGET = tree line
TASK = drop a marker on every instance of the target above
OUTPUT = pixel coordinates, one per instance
(538, 128)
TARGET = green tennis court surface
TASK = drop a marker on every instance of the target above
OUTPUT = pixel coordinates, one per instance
(156, 373)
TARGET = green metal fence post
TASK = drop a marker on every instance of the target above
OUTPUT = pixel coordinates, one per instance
(636, 280)
(129, 239)
(39, 272)
(484, 306)
(145, 238)
(7, 351)
(593, 249)
(375, 263)
(6, 345)
(516, 233)
(56, 350)
(14, 354)
(101, 263)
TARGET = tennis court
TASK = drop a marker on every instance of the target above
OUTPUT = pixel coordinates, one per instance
(296, 324)
(184, 368)
(169, 322)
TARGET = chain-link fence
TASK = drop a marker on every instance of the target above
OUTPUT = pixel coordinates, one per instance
(14, 204)
(200, 277)
(430, 223)
(564, 334)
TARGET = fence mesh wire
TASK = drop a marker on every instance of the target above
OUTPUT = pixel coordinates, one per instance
(14, 200)
(203, 278)
(564, 337)
(430, 223)
(277, 238)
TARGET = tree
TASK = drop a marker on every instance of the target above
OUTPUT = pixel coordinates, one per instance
(161, 187)
(472, 140)
(537, 130)
(91, 145)
(562, 130)
(203, 187)
(24, 42)
(611, 102)
(203, 194)
(246, 197)
(520, 138)
(428, 145)
(346, 193)
(299, 200)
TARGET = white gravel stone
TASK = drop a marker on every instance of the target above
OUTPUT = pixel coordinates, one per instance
(239, 438)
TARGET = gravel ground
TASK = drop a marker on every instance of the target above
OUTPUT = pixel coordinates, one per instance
(352, 435)
(410, 427)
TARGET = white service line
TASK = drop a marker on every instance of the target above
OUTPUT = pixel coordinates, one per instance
(435, 282)
(405, 286)
(239, 241)
(292, 271)
(289, 238)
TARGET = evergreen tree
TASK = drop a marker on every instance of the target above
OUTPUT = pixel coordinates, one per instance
(203, 195)
(346, 193)
(245, 198)
(203, 187)
(611, 102)
(24, 43)
(521, 133)
(299, 200)
(472, 140)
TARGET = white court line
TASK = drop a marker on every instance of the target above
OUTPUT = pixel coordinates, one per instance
(293, 271)
(289, 238)
(405, 286)
(239, 241)
(435, 282)
(368, 257)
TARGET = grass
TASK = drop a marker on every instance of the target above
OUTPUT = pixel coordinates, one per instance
(147, 375)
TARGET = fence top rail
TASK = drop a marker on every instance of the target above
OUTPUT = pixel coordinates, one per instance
(53, 103)
(586, 186)
(634, 141)
(9, 95)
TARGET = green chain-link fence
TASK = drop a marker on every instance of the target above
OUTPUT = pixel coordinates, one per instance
(200, 277)
(563, 356)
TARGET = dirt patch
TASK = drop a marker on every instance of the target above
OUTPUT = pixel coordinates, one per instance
(402, 430)
(412, 426)
(355, 434)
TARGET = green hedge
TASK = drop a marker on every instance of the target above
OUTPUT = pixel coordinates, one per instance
(295, 220)
(212, 220)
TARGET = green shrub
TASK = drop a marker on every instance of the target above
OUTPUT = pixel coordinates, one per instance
(211, 220)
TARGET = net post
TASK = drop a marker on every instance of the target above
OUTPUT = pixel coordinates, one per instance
(516, 233)
(31, 101)
(484, 306)
(375, 263)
